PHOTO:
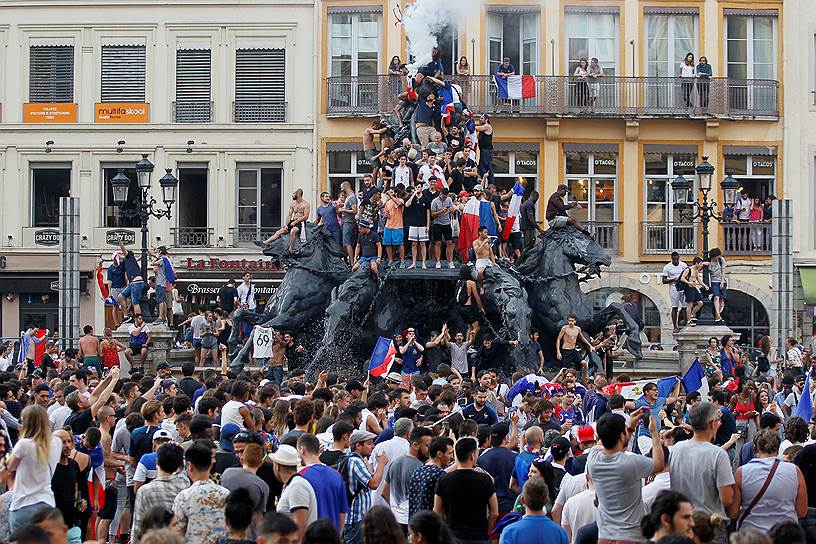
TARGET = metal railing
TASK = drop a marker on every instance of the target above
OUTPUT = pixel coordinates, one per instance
(606, 234)
(663, 238)
(192, 236)
(198, 111)
(610, 96)
(246, 111)
(246, 235)
(752, 238)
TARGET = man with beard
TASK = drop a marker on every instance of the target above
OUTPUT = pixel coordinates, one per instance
(399, 473)
(479, 411)
(295, 220)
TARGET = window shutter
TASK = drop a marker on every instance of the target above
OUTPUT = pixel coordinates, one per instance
(51, 74)
(193, 83)
(260, 77)
(123, 73)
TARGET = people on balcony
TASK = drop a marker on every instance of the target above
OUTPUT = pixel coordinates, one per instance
(395, 71)
(595, 72)
(703, 73)
(755, 216)
(463, 67)
(581, 74)
(687, 72)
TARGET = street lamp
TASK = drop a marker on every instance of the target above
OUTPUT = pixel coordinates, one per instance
(147, 206)
(705, 210)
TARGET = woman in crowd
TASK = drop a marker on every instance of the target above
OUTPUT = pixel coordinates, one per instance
(729, 357)
(767, 360)
(712, 358)
(380, 526)
(745, 412)
(426, 527)
(785, 497)
(764, 404)
(209, 340)
(34, 458)
(671, 514)
(705, 526)
(110, 348)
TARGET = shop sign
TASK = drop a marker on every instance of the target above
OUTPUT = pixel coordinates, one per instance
(229, 264)
(61, 112)
(47, 237)
(527, 162)
(683, 164)
(55, 285)
(604, 162)
(196, 289)
(763, 164)
(112, 237)
(122, 113)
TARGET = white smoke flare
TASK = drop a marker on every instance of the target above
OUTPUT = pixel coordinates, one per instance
(423, 20)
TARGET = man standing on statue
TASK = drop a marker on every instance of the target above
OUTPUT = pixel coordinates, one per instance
(135, 284)
(557, 210)
(295, 221)
(484, 256)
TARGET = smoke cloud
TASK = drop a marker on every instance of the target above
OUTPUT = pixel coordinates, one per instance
(423, 20)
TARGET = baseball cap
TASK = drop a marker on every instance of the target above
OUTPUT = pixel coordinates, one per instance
(464, 193)
(395, 377)
(360, 436)
(167, 383)
(37, 372)
(364, 223)
(228, 432)
(162, 365)
(586, 434)
(560, 448)
(498, 433)
(161, 433)
(477, 187)
(286, 456)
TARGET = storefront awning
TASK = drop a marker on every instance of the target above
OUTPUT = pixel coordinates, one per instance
(208, 287)
(36, 283)
(808, 277)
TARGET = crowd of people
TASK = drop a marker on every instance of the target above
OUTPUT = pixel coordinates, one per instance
(424, 454)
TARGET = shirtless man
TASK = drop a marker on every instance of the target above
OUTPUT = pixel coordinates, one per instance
(370, 150)
(571, 334)
(484, 256)
(278, 359)
(295, 220)
(89, 349)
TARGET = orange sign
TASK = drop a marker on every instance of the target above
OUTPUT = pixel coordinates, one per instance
(42, 112)
(122, 113)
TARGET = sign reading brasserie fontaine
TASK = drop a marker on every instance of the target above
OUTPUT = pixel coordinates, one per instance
(231, 264)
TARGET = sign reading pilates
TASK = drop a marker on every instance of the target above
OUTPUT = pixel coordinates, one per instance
(135, 112)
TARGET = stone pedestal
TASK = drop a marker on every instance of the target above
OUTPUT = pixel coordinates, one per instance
(692, 342)
(161, 342)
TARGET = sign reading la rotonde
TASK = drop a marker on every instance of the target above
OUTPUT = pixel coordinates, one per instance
(243, 265)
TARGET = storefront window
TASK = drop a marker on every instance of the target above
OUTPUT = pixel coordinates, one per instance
(346, 166)
(48, 185)
(512, 166)
(756, 173)
(592, 178)
(114, 218)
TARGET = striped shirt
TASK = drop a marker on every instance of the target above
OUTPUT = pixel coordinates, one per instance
(358, 476)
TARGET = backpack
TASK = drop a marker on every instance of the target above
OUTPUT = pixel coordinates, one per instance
(462, 292)
(763, 365)
(343, 468)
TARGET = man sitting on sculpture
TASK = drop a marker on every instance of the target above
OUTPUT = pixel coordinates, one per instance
(557, 213)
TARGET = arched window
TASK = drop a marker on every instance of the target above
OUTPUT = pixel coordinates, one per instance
(643, 307)
(747, 317)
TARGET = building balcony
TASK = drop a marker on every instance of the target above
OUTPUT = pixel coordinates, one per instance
(744, 239)
(606, 234)
(662, 238)
(246, 111)
(193, 111)
(247, 235)
(567, 96)
(192, 236)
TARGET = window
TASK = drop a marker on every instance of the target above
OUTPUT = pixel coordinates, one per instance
(193, 84)
(259, 199)
(123, 73)
(354, 53)
(756, 173)
(750, 54)
(346, 166)
(592, 32)
(51, 74)
(664, 231)
(48, 184)
(114, 217)
(513, 32)
(447, 41)
(191, 208)
(510, 166)
(260, 86)
(591, 177)
(669, 38)
(747, 317)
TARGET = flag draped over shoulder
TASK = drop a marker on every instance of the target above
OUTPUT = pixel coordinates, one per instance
(513, 210)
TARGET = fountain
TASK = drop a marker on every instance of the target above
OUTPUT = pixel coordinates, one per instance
(343, 313)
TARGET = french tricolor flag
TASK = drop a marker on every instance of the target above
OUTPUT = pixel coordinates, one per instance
(513, 210)
(515, 87)
(382, 357)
